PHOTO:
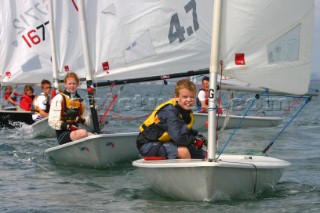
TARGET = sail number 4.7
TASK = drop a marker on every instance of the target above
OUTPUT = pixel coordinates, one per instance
(176, 31)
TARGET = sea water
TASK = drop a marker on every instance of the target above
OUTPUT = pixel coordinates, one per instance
(30, 182)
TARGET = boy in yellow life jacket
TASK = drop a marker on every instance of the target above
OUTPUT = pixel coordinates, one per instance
(167, 133)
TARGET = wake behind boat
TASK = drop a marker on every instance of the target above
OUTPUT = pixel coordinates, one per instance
(22, 121)
(11, 118)
(233, 121)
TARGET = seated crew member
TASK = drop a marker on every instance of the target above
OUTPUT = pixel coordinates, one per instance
(11, 96)
(67, 111)
(41, 103)
(27, 98)
(203, 95)
(167, 133)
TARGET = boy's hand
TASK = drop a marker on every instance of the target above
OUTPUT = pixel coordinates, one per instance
(200, 141)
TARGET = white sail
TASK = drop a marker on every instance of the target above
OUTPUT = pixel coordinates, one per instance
(68, 38)
(132, 39)
(275, 40)
(25, 55)
(101, 151)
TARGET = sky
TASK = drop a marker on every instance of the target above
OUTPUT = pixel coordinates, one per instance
(316, 44)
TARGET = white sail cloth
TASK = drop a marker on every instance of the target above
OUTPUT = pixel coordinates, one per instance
(276, 40)
(134, 39)
(67, 37)
(25, 55)
(25, 52)
(148, 38)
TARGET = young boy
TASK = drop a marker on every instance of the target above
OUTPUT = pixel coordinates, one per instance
(27, 98)
(203, 95)
(167, 133)
(41, 103)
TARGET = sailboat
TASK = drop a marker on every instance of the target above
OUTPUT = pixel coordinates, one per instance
(141, 45)
(268, 45)
(25, 58)
(234, 121)
(100, 150)
(229, 120)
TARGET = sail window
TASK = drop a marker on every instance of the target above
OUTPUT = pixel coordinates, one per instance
(285, 48)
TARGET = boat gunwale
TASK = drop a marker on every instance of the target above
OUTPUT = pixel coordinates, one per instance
(235, 161)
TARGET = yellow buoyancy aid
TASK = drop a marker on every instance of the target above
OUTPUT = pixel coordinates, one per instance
(71, 108)
(154, 120)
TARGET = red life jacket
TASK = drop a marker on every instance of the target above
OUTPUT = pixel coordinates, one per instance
(26, 102)
(207, 97)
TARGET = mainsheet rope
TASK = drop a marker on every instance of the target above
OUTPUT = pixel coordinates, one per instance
(307, 100)
(114, 98)
(118, 116)
(238, 125)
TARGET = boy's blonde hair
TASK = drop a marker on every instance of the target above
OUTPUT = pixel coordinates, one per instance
(184, 84)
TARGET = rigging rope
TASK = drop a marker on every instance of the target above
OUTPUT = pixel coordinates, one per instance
(292, 105)
(119, 117)
(218, 108)
(114, 98)
(108, 95)
(307, 100)
(238, 125)
(227, 117)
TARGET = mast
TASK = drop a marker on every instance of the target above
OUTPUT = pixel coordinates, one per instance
(53, 49)
(214, 67)
(87, 67)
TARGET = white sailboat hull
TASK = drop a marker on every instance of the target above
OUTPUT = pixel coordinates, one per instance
(96, 151)
(42, 129)
(248, 121)
(232, 177)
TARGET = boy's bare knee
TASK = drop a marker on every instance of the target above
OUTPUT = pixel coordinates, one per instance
(183, 153)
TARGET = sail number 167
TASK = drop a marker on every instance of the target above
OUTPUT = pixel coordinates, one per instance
(32, 38)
